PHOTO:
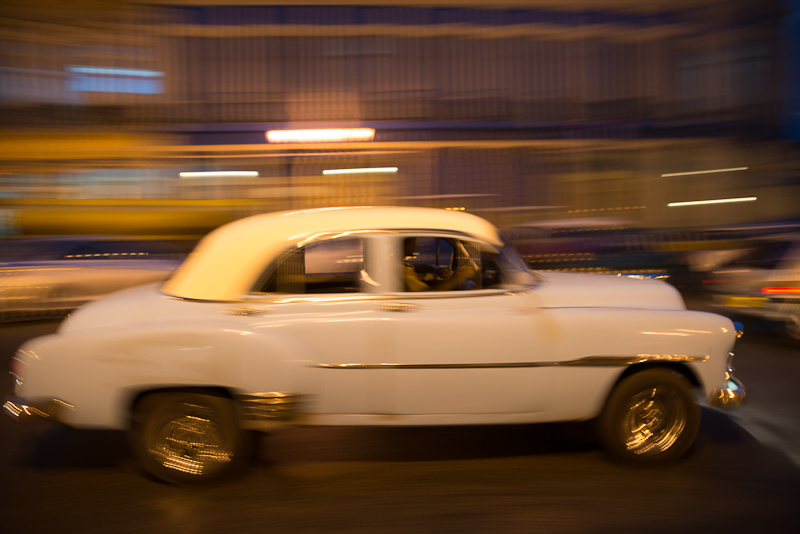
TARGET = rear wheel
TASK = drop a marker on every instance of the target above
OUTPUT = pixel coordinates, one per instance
(651, 418)
(188, 437)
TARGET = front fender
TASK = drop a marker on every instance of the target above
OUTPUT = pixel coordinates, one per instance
(600, 345)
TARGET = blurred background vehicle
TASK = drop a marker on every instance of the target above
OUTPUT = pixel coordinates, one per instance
(688, 258)
(46, 277)
(597, 245)
(761, 281)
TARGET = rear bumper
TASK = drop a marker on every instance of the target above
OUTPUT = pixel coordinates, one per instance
(21, 409)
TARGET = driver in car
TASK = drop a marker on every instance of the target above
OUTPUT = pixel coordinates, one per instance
(446, 279)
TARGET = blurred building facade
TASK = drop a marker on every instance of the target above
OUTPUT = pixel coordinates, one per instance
(522, 111)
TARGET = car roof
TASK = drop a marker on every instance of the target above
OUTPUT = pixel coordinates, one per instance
(225, 262)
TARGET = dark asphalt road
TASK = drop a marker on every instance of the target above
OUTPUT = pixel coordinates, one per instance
(743, 475)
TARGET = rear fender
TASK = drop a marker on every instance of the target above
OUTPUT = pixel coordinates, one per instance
(100, 372)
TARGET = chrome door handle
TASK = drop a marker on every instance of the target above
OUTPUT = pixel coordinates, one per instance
(245, 310)
(399, 307)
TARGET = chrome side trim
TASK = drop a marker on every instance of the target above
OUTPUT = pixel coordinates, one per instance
(245, 310)
(271, 406)
(398, 307)
(21, 410)
(476, 293)
(590, 361)
(361, 297)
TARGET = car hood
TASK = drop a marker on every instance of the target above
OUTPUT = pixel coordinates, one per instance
(578, 290)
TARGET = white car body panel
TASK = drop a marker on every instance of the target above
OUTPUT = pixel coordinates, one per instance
(473, 330)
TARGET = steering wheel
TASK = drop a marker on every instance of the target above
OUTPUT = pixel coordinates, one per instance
(473, 281)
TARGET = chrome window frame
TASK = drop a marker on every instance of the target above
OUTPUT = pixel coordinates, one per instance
(457, 293)
(370, 293)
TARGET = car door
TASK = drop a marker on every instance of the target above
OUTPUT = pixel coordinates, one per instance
(479, 348)
(316, 304)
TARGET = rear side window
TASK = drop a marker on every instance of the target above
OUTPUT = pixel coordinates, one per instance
(335, 266)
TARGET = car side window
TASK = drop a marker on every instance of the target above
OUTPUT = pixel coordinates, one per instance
(335, 266)
(446, 264)
(428, 253)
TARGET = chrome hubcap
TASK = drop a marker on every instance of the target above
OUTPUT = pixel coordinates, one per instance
(188, 440)
(655, 420)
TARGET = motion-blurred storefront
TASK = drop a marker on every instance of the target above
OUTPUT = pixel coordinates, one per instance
(151, 117)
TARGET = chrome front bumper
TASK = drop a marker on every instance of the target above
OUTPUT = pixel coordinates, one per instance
(21, 409)
(733, 393)
(730, 396)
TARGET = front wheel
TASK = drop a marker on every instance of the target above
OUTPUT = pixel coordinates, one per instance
(185, 438)
(651, 418)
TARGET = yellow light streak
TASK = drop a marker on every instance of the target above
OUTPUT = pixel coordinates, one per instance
(219, 174)
(732, 169)
(326, 135)
(716, 201)
(366, 170)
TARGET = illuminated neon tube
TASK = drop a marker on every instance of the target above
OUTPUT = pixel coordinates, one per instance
(366, 170)
(219, 174)
(716, 201)
(326, 135)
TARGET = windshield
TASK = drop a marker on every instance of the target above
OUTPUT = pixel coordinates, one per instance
(514, 269)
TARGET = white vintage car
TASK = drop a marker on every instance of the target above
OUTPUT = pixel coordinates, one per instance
(374, 316)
